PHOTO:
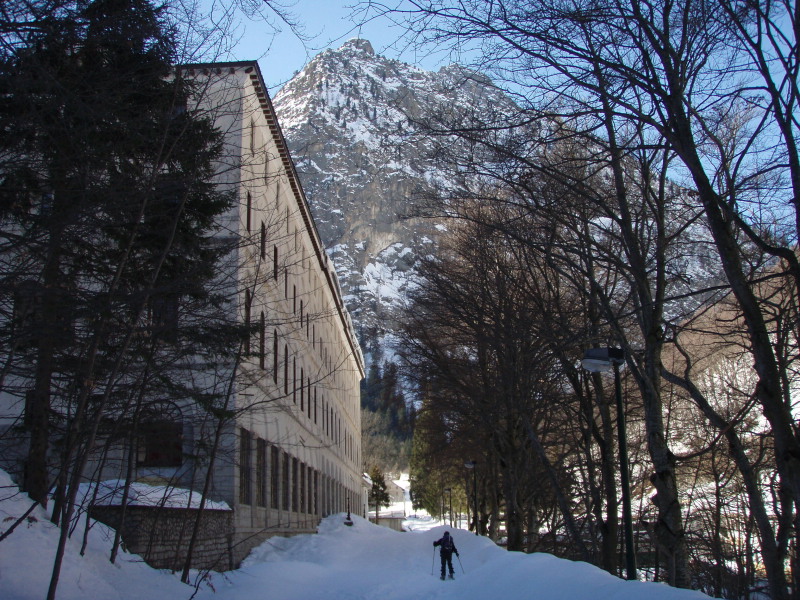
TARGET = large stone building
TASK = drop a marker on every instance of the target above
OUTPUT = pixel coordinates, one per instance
(284, 448)
(297, 399)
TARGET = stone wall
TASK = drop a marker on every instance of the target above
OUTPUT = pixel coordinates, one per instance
(395, 523)
(161, 535)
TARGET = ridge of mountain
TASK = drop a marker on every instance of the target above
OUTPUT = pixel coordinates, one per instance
(347, 116)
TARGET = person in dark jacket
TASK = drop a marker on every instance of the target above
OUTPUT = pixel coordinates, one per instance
(446, 549)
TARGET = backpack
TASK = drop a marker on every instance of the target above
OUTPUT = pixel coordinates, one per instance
(447, 544)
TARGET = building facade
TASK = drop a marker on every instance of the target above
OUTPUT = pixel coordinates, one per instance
(279, 446)
(297, 438)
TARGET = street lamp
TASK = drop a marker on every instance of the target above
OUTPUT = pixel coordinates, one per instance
(348, 521)
(471, 464)
(597, 360)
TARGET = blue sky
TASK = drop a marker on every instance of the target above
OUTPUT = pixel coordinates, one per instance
(327, 24)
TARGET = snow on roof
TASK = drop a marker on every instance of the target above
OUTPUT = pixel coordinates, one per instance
(110, 493)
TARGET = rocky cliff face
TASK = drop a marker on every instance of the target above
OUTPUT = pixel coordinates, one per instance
(347, 117)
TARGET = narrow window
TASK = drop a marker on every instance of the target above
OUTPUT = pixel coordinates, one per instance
(275, 262)
(261, 472)
(295, 495)
(303, 487)
(286, 370)
(302, 394)
(275, 477)
(263, 241)
(275, 356)
(249, 216)
(285, 489)
(252, 136)
(316, 492)
(294, 379)
(244, 466)
(262, 342)
(247, 322)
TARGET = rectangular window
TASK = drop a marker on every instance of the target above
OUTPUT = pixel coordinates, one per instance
(252, 136)
(263, 241)
(295, 495)
(275, 477)
(261, 472)
(245, 485)
(249, 215)
(316, 493)
(285, 490)
(294, 380)
(303, 488)
(286, 370)
(302, 391)
(246, 307)
(275, 361)
(262, 342)
(275, 262)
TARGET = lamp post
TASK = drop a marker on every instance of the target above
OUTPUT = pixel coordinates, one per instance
(471, 464)
(597, 360)
(348, 521)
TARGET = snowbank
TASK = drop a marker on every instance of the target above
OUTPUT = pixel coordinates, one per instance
(26, 560)
(362, 562)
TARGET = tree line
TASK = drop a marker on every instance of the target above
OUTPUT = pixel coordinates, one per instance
(645, 196)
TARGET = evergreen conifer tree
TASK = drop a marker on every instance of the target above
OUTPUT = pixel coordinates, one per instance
(378, 496)
(108, 215)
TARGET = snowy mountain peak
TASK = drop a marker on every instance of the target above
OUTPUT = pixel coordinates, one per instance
(358, 44)
(347, 117)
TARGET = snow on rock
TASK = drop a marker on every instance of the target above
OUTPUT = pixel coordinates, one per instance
(26, 560)
(141, 494)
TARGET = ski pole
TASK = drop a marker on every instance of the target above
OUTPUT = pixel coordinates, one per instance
(459, 563)
(433, 560)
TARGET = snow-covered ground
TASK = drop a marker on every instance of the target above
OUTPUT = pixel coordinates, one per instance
(361, 562)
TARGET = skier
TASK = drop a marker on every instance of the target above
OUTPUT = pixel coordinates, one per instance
(446, 549)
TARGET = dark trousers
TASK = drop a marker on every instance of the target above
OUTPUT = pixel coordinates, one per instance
(447, 559)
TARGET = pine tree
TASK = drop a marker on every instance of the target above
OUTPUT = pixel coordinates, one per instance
(377, 493)
(108, 211)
